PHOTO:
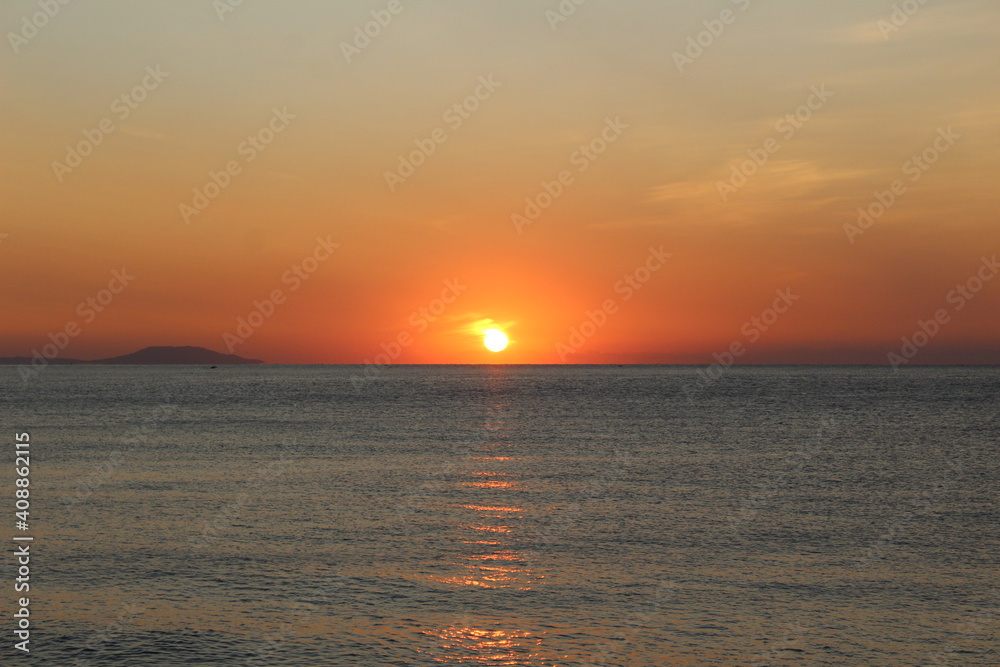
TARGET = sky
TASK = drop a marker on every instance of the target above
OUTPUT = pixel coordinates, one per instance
(605, 182)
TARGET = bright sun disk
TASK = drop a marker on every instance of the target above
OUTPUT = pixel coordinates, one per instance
(494, 340)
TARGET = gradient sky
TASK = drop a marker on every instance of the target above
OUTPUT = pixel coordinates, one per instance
(656, 185)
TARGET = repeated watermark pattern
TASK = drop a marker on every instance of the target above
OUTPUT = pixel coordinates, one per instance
(212, 529)
(918, 506)
(627, 287)
(792, 466)
(562, 12)
(648, 613)
(752, 330)
(979, 624)
(790, 642)
(420, 320)
(914, 169)
(900, 16)
(224, 7)
(786, 127)
(103, 472)
(454, 117)
(249, 149)
(121, 108)
(88, 310)
(581, 159)
(700, 42)
(294, 277)
(113, 632)
(33, 23)
(956, 299)
(364, 34)
(594, 491)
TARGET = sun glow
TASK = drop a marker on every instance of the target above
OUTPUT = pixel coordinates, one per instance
(495, 340)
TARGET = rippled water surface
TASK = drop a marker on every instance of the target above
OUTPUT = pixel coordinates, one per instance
(509, 516)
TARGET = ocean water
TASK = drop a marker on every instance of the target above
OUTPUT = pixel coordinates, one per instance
(501, 515)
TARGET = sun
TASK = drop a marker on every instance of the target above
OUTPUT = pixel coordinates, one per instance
(495, 340)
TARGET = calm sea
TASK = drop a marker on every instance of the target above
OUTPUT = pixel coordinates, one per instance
(507, 516)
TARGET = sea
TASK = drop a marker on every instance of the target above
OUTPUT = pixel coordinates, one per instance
(504, 515)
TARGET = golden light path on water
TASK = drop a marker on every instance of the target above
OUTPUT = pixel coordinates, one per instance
(492, 561)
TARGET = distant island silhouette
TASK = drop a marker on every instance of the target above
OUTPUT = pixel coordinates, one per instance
(154, 355)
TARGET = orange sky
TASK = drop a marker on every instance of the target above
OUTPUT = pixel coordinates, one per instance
(308, 118)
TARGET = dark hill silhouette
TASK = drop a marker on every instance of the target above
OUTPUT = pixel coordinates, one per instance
(177, 355)
(151, 355)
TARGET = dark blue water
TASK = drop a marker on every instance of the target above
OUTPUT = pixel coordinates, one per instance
(508, 516)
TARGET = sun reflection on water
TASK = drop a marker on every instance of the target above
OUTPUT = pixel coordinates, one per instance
(488, 525)
(491, 508)
(461, 644)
